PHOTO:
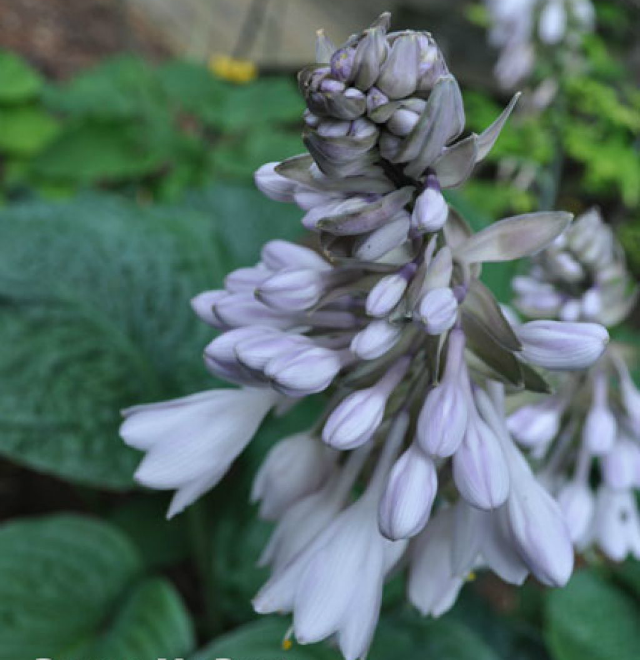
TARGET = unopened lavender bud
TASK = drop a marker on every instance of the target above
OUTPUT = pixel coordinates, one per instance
(307, 371)
(278, 255)
(389, 145)
(342, 63)
(402, 122)
(443, 418)
(274, 185)
(257, 350)
(391, 235)
(600, 427)
(292, 289)
(238, 309)
(333, 128)
(371, 51)
(408, 497)
(332, 86)
(570, 311)
(438, 310)
(387, 293)
(376, 339)
(540, 532)
(294, 468)
(431, 210)
(245, 279)
(222, 350)
(620, 465)
(562, 346)
(310, 119)
(536, 424)
(354, 421)
(399, 75)
(203, 305)
(375, 98)
(480, 469)
(577, 504)
(592, 303)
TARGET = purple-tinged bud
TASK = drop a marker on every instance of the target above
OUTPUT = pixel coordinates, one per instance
(371, 51)
(376, 339)
(600, 427)
(333, 128)
(620, 465)
(332, 86)
(431, 210)
(391, 235)
(294, 468)
(443, 418)
(399, 75)
(203, 305)
(274, 185)
(342, 63)
(562, 346)
(430, 63)
(310, 119)
(304, 371)
(592, 303)
(537, 424)
(388, 292)
(256, 351)
(277, 255)
(570, 311)
(408, 497)
(402, 122)
(566, 267)
(245, 279)
(238, 309)
(577, 504)
(480, 469)
(354, 421)
(221, 355)
(617, 524)
(375, 98)
(539, 531)
(438, 310)
(292, 289)
(389, 145)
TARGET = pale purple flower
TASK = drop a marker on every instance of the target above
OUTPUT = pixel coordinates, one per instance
(190, 443)
(409, 494)
(294, 468)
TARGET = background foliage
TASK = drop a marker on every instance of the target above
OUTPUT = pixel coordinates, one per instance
(124, 192)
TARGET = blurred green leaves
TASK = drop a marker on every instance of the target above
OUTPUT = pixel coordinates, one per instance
(139, 129)
(74, 587)
(591, 619)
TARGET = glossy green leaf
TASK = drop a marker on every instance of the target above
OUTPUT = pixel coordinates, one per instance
(25, 130)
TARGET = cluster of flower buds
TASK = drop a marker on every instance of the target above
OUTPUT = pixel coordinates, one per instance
(517, 26)
(574, 278)
(383, 307)
(588, 432)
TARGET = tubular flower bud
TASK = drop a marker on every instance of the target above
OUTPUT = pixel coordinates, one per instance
(438, 310)
(431, 210)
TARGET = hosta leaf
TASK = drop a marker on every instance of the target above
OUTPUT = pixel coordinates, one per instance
(95, 317)
(263, 639)
(591, 619)
(70, 588)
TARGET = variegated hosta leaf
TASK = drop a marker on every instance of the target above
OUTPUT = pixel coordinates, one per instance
(513, 238)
